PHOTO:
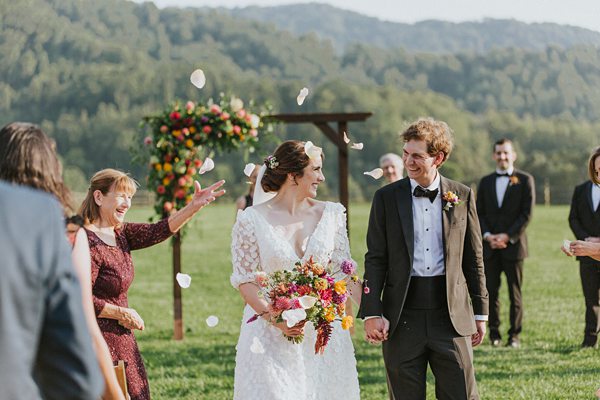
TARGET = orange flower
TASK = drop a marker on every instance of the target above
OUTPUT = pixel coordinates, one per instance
(347, 322)
(340, 287)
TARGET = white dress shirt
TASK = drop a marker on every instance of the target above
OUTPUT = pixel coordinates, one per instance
(502, 184)
(595, 195)
(428, 257)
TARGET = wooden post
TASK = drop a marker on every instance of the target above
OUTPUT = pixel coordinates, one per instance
(343, 170)
(177, 304)
(546, 192)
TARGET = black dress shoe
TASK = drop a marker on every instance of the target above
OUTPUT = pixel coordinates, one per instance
(513, 342)
(589, 342)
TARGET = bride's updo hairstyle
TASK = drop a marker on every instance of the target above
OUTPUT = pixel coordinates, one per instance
(289, 158)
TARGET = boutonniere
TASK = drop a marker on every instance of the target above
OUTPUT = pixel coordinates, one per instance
(513, 180)
(451, 200)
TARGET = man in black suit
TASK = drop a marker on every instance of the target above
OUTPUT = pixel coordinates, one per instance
(505, 200)
(584, 220)
(424, 269)
(45, 348)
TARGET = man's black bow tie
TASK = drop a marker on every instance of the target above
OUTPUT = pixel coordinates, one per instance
(430, 194)
(498, 174)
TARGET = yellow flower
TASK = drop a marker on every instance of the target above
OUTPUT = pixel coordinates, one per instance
(166, 181)
(321, 284)
(167, 167)
(192, 129)
(340, 287)
(347, 322)
(329, 314)
(189, 143)
(158, 166)
(176, 132)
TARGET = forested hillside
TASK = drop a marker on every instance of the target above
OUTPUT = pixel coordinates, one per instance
(344, 28)
(88, 71)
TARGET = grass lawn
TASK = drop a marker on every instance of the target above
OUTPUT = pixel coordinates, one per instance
(549, 365)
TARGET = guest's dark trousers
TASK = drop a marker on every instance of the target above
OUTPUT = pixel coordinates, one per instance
(426, 336)
(590, 283)
(513, 269)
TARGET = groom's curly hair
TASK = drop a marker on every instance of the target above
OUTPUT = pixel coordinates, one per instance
(437, 134)
(291, 159)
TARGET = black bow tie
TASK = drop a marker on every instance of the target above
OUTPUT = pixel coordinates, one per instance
(430, 194)
(498, 174)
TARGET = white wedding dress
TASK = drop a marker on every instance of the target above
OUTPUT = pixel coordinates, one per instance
(268, 366)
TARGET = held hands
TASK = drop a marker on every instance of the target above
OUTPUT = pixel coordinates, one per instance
(478, 336)
(498, 241)
(203, 197)
(294, 331)
(376, 330)
(130, 319)
(588, 247)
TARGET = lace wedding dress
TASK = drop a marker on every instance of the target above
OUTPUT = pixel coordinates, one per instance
(268, 366)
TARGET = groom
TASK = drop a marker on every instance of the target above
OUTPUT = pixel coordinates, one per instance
(425, 274)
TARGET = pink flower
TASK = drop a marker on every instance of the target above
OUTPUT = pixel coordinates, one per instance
(253, 132)
(206, 129)
(147, 140)
(164, 129)
(215, 109)
(182, 181)
(161, 189)
(236, 129)
(189, 106)
(348, 267)
(241, 113)
(180, 194)
(225, 116)
(262, 279)
(282, 303)
(175, 115)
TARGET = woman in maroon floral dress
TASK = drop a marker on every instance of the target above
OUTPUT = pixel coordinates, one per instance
(111, 241)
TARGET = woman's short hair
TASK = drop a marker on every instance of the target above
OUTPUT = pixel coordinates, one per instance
(436, 134)
(591, 167)
(28, 157)
(105, 181)
(289, 158)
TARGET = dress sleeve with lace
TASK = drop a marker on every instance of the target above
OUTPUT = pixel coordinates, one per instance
(244, 250)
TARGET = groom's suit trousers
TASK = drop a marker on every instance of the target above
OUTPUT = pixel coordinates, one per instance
(425, 335)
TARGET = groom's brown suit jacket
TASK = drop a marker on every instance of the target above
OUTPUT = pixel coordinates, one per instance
(390, 249)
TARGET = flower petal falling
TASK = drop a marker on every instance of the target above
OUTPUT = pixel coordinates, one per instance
(184, 280)
(207, 165)
(302, 96)
(198, 79)
(212, 321)
(357, 146)
(375, 174)
(312, 151)
(248, 169)
(346, 139)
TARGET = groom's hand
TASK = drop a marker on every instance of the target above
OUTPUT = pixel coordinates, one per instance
(478, 336)
(376, 329)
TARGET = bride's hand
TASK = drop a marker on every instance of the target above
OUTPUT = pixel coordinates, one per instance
(294, 331)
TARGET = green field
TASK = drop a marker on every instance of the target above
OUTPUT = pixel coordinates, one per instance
(549, 365)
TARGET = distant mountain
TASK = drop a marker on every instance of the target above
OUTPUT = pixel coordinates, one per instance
(344, 27)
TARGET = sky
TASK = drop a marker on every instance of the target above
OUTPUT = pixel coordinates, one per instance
(582, 13)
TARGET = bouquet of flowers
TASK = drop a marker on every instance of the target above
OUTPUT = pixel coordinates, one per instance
(308, 292)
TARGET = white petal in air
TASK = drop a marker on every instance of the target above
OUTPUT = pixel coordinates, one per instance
(198, 79)
(346, 139)
(311, 150)
(254, 121)
(207, 165)
(248, 169)
(302, 96)
(292, 317)
(184, 280)
(212, 321)
(257, 347)
(357, 146)
(307, 301)
(375, 174)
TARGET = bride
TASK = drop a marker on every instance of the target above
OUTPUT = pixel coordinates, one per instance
(285, 225)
